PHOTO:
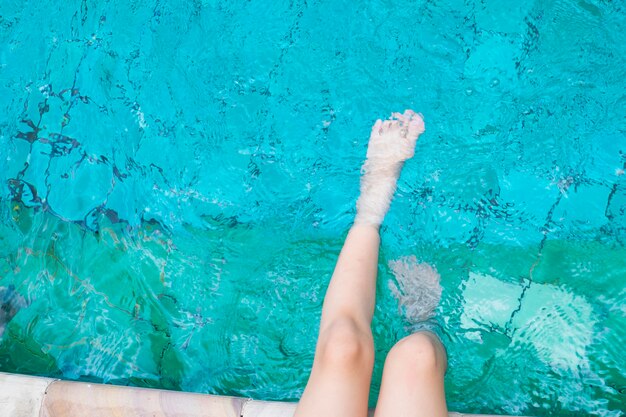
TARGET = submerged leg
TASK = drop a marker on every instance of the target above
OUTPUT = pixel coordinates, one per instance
(344, 356)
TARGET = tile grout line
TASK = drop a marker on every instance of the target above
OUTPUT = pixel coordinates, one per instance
(45, 396)
(242, 413)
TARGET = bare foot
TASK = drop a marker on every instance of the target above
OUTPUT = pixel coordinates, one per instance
(393, 140)
(391, 143)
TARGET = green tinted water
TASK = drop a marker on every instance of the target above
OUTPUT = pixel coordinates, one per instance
(232, 309)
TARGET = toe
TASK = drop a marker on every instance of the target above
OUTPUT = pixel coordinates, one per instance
(396, 125)
(409, 114)
(416, 127)
(377, 126)
(398, 116)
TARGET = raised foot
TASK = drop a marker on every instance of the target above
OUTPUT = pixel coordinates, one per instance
(393, 140)
(391, 143)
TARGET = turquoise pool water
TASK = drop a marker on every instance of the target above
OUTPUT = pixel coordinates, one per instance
(177, 178)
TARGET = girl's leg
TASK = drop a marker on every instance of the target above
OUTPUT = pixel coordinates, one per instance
(412, 383)
(342, 368)
(344, 357)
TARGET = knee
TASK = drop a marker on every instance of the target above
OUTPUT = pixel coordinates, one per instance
(417, 356)
(344, 346)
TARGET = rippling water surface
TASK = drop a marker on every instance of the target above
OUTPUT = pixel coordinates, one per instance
(177, 179)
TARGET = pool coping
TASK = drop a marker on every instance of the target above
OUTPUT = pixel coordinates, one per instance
(32, 396)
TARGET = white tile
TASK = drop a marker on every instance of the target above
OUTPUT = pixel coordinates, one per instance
(254, 408)
(80, 399)
(268, 409)
(273, 409)
(22, 396)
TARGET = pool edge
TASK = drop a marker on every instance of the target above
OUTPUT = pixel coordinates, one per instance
(32, 396)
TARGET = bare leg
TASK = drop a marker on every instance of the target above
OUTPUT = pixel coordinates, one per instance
(412, 383)
(344, 356)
